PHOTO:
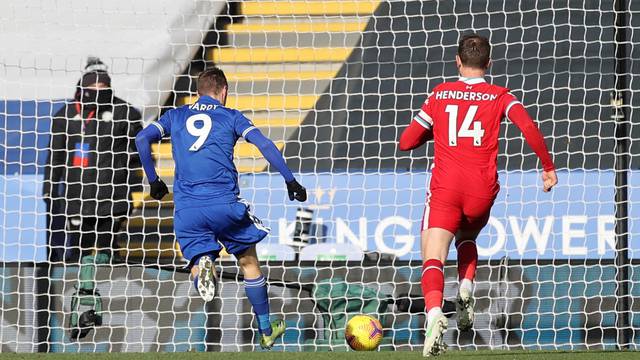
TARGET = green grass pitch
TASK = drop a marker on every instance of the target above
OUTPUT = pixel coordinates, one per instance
(453, 355)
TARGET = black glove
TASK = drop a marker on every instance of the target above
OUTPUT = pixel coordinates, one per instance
(46, 189)
(47, 196)
(296, 191)
(158, 189)
(47, 201)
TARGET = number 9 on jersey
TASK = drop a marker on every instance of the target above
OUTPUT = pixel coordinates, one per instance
(202, 132)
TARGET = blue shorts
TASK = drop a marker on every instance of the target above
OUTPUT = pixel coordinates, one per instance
(206, 229)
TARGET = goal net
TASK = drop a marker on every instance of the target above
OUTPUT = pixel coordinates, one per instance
(333, 83)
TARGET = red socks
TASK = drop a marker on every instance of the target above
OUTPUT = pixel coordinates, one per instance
(433, 275)
(467, 259)
(432, 283)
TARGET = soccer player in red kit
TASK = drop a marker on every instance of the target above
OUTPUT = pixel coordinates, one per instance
(463, 117)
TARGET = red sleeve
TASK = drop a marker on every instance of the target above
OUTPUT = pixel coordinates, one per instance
(414, 136)
(419, 130)
(519, 116)
(426, 110)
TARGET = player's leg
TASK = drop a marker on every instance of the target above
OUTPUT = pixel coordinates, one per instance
(255, 286)
(203, 273)
(241, 234)
(88, 236)
(435, 248)
(73, 230)
(475, 216)
(107, 230)
(467, 258)
(435, 243)
(198, 246)
(441, 220)
(467, 263)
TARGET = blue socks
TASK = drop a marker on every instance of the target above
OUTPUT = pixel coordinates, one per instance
(256, 290)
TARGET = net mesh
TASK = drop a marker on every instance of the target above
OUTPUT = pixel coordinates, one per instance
(333, 83)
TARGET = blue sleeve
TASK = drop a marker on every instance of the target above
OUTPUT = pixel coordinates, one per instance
(242, 125)
(270, 152)
(145, 137)
(164, 124)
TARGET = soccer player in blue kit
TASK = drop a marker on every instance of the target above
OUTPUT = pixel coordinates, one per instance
(208, 210)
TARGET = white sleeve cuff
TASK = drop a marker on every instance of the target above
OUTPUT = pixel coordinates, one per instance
(246, 131)
(506, 111)
(156, 124)
(423, 119)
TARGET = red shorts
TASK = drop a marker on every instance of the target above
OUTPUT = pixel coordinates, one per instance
(453, 211)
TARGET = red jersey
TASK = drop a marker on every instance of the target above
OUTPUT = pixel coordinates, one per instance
(465, 118)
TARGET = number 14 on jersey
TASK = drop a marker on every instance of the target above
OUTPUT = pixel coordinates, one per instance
(465, 129)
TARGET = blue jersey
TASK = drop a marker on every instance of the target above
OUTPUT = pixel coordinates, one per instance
(203, 136)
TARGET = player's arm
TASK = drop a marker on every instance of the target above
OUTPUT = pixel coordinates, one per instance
(414, 136)
(151, 134)
(274, 157)
(419, 130)
(244, 127)
(519, 116)
(133, 160)
(57, 155)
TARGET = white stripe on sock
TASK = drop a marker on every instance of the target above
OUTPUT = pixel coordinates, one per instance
(463, 242)
(255, 284)
(431, 267)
